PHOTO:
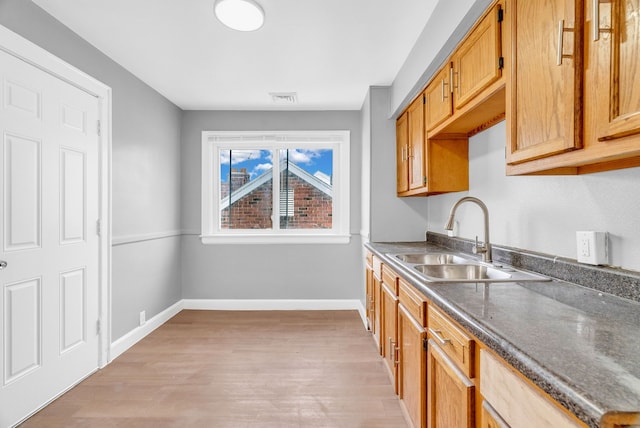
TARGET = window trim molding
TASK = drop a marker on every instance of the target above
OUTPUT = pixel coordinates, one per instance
(338, 140)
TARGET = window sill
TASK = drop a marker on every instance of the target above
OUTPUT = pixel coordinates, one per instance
(275, 239)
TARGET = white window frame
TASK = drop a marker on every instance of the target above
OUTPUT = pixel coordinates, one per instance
(213, 142)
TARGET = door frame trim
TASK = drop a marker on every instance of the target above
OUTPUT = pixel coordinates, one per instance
(16, 45)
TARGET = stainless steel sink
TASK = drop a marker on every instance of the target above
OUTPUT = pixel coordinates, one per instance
(466, 272)
(450, 267)
(431, 258)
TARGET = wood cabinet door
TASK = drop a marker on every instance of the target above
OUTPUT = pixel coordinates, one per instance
(491, 418)
(476, 63)
(439, 104)
(402, 153)
(368, 275)
(412, 368)
(617, 64)
(450, 395)
(416, 143)
(390, 332)
(377, 312)
(544, 99)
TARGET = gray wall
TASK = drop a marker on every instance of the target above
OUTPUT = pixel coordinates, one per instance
(146, 169)
(392, 218)
(268, 271)
(542, 213)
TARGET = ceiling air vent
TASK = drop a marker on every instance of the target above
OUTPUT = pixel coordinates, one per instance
(284, 98)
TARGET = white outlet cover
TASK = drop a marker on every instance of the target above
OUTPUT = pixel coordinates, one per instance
(592, 247)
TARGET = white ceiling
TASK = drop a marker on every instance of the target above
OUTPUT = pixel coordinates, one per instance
(328, 51)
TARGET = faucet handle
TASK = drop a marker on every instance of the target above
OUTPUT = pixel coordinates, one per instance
(479, 248)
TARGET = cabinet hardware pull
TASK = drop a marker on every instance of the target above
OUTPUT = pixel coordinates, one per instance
(596, 30)
(436, 334)
(396, 355)
(453, 81)
(444, 83)
(561, 31)
(596, 20)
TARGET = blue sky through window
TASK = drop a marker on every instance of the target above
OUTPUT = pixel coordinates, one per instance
(258, 161)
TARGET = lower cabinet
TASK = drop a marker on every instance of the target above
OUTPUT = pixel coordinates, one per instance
(444, 377)
(450, 362)
(390, 332)
(450, 394)
(412, 368)
(491, 418)
(373, 273)
(516, 402)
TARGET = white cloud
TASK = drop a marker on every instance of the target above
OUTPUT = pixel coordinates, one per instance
(239, 156)
(303, 156)
(260, 168)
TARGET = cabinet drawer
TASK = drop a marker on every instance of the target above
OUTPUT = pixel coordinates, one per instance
(390, 279)
(517, 402)
(453, 341)
(413, 301)
(369, 258)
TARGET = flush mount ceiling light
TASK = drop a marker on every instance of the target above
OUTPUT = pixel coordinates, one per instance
(241, 15)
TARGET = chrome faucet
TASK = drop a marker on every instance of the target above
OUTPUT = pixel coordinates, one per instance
(485, 248)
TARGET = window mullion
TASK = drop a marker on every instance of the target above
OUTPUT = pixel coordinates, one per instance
(275, 190)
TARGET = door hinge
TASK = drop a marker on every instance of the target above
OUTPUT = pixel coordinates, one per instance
(501, 62)
(500, 15)
(425, 344)
(98, 227)
(98, 327)
(99, 128)
(424, 99)
(424, 180)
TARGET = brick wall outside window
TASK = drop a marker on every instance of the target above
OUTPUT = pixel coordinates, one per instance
(312, 208)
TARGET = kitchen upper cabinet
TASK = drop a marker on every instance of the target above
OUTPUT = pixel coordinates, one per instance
(417, 176)
(615, 44)
(545, 84)
(478, 62)
(402, 153)
(439, 105)
(596, 124)
(428, 166)
(410, 148)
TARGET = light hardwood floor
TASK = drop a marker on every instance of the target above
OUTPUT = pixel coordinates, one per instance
(239, 369)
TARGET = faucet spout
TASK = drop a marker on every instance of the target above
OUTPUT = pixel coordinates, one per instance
(484, 249)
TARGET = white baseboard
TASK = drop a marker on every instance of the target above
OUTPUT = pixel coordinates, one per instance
(134, 336)
(139, 333)
(271, 304)
(276, 305)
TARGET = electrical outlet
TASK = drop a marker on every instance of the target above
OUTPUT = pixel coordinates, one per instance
(143, 318)
(592, 247)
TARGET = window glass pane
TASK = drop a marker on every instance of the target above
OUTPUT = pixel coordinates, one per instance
(306, 190)
(246, 182)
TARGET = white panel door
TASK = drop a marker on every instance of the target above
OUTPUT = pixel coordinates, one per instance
(49, 195)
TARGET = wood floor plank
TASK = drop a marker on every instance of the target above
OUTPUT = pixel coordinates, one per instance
(239, 369)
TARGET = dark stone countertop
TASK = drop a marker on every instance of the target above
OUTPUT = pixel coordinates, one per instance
(579, 345)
